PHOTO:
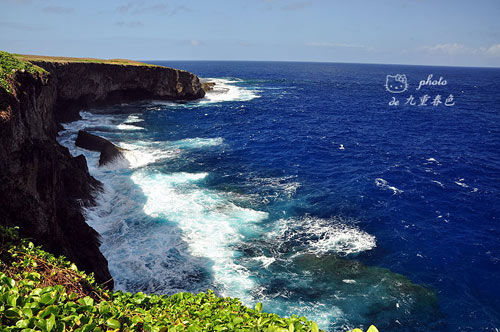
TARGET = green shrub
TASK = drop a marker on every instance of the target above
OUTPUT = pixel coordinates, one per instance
(10, 64)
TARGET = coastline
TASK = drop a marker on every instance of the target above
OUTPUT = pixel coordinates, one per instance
(44, 187)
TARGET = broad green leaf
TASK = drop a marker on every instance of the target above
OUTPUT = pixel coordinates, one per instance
(237, 320)
(23, 323)
(12, 313)
(47, 298)
(11, 300)
(113, 323)
(51, 321)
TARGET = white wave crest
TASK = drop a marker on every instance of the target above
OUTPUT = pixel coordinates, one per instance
(133, 119)
(322, 236)
(381, 183)
(125, 126)
(461, 183)
(142, 153)
(225, 90)
(197, 142)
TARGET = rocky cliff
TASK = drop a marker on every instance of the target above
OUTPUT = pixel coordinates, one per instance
(43, 188)
(81, 85)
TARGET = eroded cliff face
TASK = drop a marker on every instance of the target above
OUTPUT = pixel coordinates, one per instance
(81, 85)
(42, 187)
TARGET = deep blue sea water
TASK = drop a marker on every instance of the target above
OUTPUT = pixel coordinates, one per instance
(297, 185)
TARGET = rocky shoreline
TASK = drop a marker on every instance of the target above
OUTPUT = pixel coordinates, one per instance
(43, 186)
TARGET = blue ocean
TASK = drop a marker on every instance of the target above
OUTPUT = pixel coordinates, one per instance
(351, 194)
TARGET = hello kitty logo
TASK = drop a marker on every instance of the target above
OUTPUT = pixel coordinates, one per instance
(396, 83)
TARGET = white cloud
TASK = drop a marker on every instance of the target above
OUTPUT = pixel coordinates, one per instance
(339, 45)
(493, 50)
(457, 49)
(447, 48)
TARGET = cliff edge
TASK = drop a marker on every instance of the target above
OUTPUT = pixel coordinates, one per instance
(43, 187)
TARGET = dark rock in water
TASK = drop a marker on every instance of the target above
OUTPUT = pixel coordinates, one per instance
(108, 150)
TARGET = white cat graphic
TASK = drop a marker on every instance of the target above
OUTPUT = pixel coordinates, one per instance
(396, 83)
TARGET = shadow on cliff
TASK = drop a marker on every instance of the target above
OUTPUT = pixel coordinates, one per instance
(42, 186)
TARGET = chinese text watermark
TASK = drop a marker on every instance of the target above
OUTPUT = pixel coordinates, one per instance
(398, 84)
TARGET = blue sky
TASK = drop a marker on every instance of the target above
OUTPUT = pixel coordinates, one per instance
(429, 32)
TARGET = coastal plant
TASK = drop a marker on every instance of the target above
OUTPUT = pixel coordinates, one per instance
(9, 64)
(372, 328)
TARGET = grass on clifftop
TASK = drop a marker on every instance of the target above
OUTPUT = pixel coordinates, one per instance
(9, 64)
(27, 57)
(39, 292)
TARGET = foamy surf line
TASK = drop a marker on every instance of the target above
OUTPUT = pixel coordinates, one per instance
(210, 224)
(226, 89)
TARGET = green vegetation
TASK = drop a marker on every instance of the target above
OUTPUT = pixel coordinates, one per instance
(370, 329)
(125, 62)
(9, 64)
(39, 292)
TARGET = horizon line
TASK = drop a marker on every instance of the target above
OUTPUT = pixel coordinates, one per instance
(329, 62)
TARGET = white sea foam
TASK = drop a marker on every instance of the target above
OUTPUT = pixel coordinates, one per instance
(138, 262)
(158, 262)
(322, 236)
(349, 281)
(432, 160)
(381, 183)
(197, 142)
(198, 213)
(226, 90)
(438, 183)
(142, 153)
(265, 261)
(102, 121)
(286, 184)
(461, 183)
(125, 126)
(133, 119)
